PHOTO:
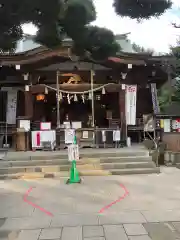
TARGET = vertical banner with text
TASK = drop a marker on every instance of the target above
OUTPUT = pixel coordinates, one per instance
(131, 96)
(11, 107)
(155, 101)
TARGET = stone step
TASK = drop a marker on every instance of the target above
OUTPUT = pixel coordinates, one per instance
(135, 171)
(178, 165)
(92, 166)
(83, 154)
(48, 162)
(65, 174)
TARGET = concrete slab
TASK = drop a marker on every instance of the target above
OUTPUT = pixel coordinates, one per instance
(69, 233)
(122, 217)
(50, 234)
(135, 229)
(29, 234)
(145, 237)
(93, 231)
(159, 231)
(74, 220)
(114, 232)
(176, 225)
(162, 216)
(25, 223)
(95, 238)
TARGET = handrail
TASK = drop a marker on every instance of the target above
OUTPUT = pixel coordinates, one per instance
(156, 148)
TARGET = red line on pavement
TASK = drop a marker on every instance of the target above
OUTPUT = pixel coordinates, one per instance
(116, 201)
(33, 204)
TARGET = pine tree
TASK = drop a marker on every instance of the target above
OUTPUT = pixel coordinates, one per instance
(141, 9)
(58, 19)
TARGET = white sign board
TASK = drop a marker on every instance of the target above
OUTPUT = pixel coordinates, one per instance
(66, 124)
(25, 124)
(69, 135)
(85, 135)
(37, 137)
(167, 125)
(103, 136)
(45, 125)
(73, 152)
(130, 102)
(116, 135)
(76, 125)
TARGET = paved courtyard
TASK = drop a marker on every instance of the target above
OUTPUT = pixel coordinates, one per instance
(98, 209)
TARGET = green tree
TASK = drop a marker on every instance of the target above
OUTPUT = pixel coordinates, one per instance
(140, 49)
(171, 94)
(141, 9)
(164, 98)
(56, 20)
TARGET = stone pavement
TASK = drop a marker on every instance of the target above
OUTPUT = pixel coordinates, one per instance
(151, 211)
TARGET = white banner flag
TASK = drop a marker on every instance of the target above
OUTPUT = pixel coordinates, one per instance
(11, 107)
(130, 101)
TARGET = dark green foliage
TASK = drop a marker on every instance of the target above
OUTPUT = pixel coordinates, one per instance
(164, 97)
(56, 19)
(175, 52)
(141, 9)
(170, 94)
(99, 42)
(140, 49)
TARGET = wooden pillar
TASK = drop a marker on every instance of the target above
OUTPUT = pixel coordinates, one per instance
(28, 104)
(122, 95)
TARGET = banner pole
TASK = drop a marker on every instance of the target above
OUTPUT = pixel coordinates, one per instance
(58, 100)
(74, 174)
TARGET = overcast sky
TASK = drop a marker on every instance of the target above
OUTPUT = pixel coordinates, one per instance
(155, 33)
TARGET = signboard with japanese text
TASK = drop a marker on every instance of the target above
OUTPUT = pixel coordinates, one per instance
(130, 104)
(73, 152)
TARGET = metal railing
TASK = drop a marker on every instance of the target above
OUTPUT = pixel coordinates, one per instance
(156, 148)
(6, 131)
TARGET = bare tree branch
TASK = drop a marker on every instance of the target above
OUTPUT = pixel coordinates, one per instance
(176, 25)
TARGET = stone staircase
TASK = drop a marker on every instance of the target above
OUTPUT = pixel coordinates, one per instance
(93, 162)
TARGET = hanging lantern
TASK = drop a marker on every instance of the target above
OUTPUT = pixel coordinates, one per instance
(90, 96)
(40, 97)
(46, 90)
(26, 76)
(103, 91)
(68, 98)
(75, 98)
